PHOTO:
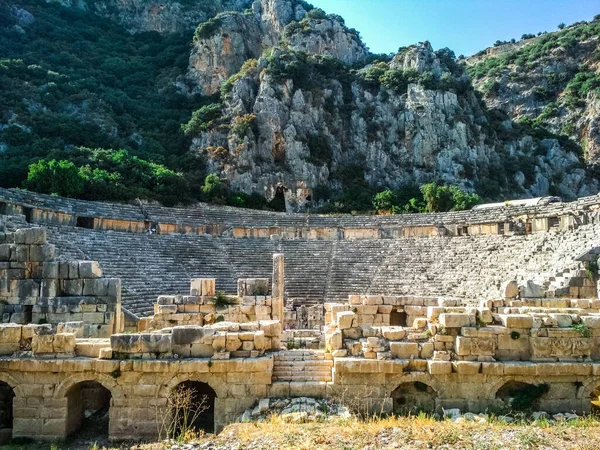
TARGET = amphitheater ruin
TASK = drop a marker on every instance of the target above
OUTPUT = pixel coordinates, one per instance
(449, 310)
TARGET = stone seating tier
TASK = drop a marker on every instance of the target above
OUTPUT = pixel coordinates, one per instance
(203, 214)
(469, 267)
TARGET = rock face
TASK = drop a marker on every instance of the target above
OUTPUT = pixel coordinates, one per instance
(307, 134)
(551, 80)
(224, 43)
(150, 15)
(306, 107)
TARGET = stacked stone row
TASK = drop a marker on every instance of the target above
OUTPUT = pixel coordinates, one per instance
(222, 340)
(36, 289)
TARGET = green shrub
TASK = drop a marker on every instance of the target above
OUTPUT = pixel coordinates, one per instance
(202, 119)
(248, 67)
(223, 300)
(55, 177)
(385, 201)
(398, 79)
(525, 399)
(241, 124)
(439, 198)
(81, 81)
(209, 28)
(582, 329)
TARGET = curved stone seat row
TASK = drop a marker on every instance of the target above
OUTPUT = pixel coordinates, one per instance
(219, 218)
(319, 271)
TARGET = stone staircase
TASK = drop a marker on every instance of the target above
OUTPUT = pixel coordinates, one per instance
(298, 366)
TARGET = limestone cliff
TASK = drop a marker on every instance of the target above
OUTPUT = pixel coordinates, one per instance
(551, 80)
(224, 43)
(310, 120)
(286, 100)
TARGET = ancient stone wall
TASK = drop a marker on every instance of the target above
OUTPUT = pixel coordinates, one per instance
(34, 288)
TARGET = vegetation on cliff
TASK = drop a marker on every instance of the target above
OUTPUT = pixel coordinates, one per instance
(93, 111)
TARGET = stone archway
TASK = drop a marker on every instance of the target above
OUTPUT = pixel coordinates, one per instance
(414, 397)
(88, 409)
(6, 412)
(520, 395)
(198, 405)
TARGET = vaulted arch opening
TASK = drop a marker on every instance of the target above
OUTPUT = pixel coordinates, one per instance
(192, 406)
(414, 397)
(88, 409)
(521, 396)
(6, 412)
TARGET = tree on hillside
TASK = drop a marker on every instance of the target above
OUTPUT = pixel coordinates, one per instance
(55, 177)
(561, 26)
(385, 201)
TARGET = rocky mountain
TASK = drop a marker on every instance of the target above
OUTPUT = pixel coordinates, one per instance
(551, 80)
(309, 117)
(285, 101)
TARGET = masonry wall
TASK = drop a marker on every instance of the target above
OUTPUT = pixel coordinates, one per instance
(139, 391)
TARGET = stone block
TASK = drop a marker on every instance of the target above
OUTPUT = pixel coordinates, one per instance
(73, 287)
(439, 367)
(454, 320)
(516, 320)
(232, 342)
(95, 286)
(510, 289)
(114, 289)
(125, 343)
(208, 287)
(271, 328)
(19, 253)
(562, 320)
(10, 333)
(346, 319)
(155, 343)
(63, 343)
(185, 335)
(530, 290)
(90, 269)
(393, 333)
(5, 251)
(49, 288)
(30, 236)
(373, 300)
(202, 351)
(591, 321)
(76, 328)
(50, 270)
(259, 340)
(426, 350)
(73, 270)
(404, 350)
(42, 344)
(466, 367)
(334, 340)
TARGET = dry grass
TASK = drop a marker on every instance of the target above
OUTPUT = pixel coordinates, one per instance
(407, 433)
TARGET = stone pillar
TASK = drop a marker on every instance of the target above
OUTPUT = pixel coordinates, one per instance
(277, 300)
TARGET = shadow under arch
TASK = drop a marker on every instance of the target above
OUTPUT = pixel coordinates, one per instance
(89, 397)
(192, 404)
(414, 397)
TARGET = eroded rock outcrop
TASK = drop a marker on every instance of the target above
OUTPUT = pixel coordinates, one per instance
(222, 44)
(308, 130)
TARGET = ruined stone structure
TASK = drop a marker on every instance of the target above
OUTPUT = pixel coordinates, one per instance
(434, 311)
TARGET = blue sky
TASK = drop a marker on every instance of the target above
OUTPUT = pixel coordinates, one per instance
(465, 26)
